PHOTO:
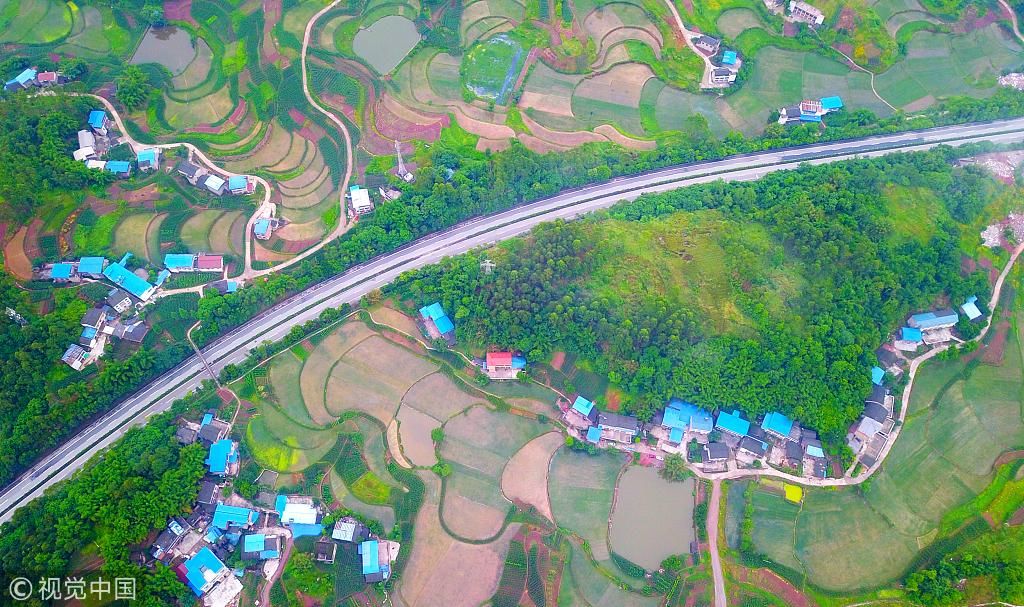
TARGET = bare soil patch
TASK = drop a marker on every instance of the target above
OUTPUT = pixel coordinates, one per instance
(997, 347)
(391, 317)
(615, 136)
(471, 519)
(525, 478)
(557, 360)
(414, 428)
(393, 442)
(15, 260)
(770, 581)
(439, 397)
(179, 10)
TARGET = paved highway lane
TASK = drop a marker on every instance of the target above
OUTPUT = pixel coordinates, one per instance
(351, 285)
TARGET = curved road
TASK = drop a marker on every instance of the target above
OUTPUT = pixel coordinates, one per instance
(351, 285)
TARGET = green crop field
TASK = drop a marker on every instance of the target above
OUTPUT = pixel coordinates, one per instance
(599, 591)
(489, 66)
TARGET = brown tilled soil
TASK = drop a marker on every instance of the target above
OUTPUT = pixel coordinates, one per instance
(179, 10)
(1007, 457)
(269, 50)
(557, 360)
(15, 260)
(970, 20)
(770, 581)
(1017, 518)
(31, 244)
(997, 346)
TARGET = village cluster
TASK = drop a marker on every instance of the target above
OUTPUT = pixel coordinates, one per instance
(223, 525)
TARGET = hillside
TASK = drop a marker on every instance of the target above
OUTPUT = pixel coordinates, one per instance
(763, 295)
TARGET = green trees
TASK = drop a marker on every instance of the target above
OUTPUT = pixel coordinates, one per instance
(133, 87)
(675, 468)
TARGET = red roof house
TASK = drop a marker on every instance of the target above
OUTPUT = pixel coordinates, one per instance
(46, 77)
(499, 365)
(209, 263)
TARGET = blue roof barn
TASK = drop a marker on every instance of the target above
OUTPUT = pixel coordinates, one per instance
(778, 424)
(733, 423)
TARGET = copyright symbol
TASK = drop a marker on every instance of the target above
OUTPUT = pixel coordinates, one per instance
(20, 589)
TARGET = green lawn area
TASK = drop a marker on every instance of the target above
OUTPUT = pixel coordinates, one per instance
(487, 67)
(33, 21)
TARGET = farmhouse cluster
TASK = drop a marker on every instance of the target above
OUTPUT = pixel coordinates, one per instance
(118, 317)
(32, 78)
(223, 527)
(810, 110)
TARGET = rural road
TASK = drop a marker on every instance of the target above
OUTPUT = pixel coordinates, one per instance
(351, 285)
(712, 526)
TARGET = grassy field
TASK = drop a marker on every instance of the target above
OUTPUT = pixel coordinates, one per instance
(951, 437)
(581, 489)
(33, 21)
(489, 67)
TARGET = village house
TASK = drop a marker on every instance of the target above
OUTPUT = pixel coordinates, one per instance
(50, 78)
(730, 58)
(260, 547)
(793, 453)
(213, 184)
(122, 277)
(62, 272)
(618, 428)
(810, 110)
(208, 578)
(755, 448)
(179, 262)
(877, 375)
(889, 360)
(297, 510)
(938, 319)
(209, 263)
(970, 308)
(681, 417)
(169, 538)
(722, 75)
(714, 453)
(437, 323)
(503, 365)
(186, 433)
(732, 423)
(350, 530)
(582, 414)
(777, 425)
(119, 300)
(75, 357)
(148, 159)
(377, 557)
(191, 172)
(84, 154)
(708, 44)
(803, 12)
(239, 184)
(212, 429)
(86, 139)
(207, 498)
(22, 81)
(99, 165)
(360, 200)
(120, 168)
(324, 551)
(227, 518)
(910, 339)
(223, 457)
(98, 121)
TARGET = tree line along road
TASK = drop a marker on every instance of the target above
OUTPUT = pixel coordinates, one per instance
(351, 285)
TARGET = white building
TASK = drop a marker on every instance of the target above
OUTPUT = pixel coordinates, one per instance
(361, 203)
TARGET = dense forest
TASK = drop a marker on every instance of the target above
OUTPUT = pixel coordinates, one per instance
(105, 511)
(995, 561)
(860, 277)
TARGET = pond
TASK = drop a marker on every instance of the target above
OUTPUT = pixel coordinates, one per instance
(653, 518)
(385, 43)
(169, 46)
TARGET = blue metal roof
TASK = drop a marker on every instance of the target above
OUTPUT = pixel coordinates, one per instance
(96, 118)
(60, 270)
(148, 155)
(124, 278)
(196, 569)
(910, 334)
(583, 406)
(877, 375)
(732, 422)
(970, 307)
(593, 434)
(518, 362)
(305, 529)
(207, 418)
(261, 227)
(370, 551)
(118, 166)
(928, 320)
(686, 416)
(91, 265)
(810, 118)
(676, 435)
(815, 451)
(88, 332)
(444, 324)
(729, 58)
(232, 286)
(162, 277)
(777, 423)
(280, 503)
(179, 260)
(434, 311)
(254, 542)
(225, 516)
(24, 77)
(238, 182)
(218, 458)
(831, 103)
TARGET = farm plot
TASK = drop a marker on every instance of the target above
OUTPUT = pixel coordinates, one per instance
(439, 397)
(437, 573)
(87, 38)
(525, 478)
(284, 380)
(34, 21)
(414, 431)
(734, 22)
(270, 452)
(204, 110)
(492, 66)
(372, 377)
(612, 97)
(195, 233)
(478, 444)
(549, 93)
(939, 65)
(227, 234)
(581, 488)
(131, 234)
(197, 71)
(317, 368)
(383, 514)
(672, 107)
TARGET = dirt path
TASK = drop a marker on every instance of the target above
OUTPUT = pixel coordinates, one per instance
(1013, 19)
(712, 529)
(705, 79)
(854, 65)
(265, 590)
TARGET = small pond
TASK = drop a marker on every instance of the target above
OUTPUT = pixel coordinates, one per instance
(385, 43)
(653, 518)
(169, 46)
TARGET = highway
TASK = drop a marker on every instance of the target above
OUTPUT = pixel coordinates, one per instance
(352, 284)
